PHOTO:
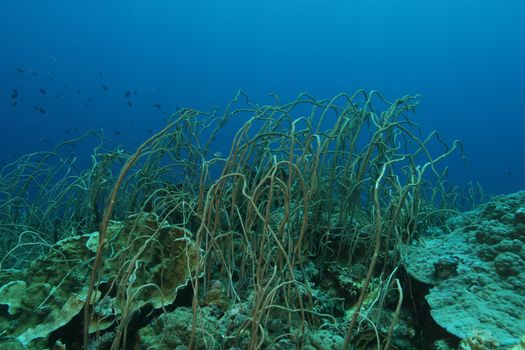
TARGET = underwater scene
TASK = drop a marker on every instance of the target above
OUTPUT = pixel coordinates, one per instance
(238, 175)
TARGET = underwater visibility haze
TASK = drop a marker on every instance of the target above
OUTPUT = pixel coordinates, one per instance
(262, 174)
(464, 58)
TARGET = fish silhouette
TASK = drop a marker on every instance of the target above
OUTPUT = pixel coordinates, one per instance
(40, 110)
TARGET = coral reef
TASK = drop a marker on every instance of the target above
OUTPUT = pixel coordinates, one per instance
(477, 273)
(48, 294)
(51, 291)
(291, 240)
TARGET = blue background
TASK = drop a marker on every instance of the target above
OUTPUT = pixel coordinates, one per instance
(466, 58)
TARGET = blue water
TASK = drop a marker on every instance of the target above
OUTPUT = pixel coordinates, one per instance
(464, 57)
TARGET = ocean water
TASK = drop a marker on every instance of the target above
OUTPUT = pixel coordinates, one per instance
(68, 66)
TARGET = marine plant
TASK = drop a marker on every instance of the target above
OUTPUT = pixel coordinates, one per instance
(346, 180)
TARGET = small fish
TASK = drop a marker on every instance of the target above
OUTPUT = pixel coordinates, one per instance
(78, 92)
(116, 133)
(33, 73)
(105, 88)
(42, 91)
(14, 94)
(130, 104)
(40, 110)
(67, 132)
(127, 94)
(20, 70)
(156, 105)
(149, 131)
(57, 96)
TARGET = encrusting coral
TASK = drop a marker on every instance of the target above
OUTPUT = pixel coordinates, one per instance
(150, 258)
